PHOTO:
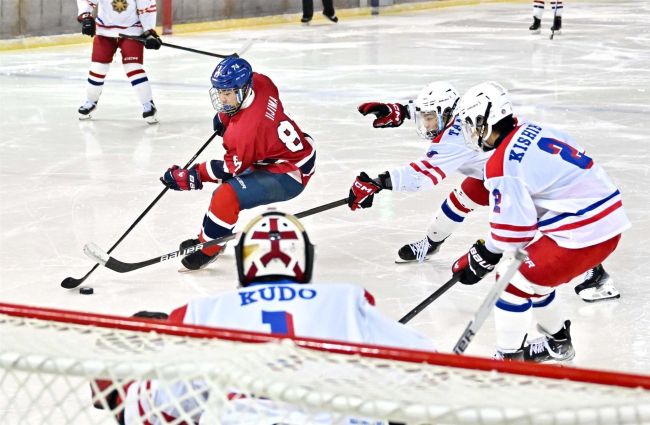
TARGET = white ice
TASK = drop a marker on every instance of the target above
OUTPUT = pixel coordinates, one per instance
(65, 183)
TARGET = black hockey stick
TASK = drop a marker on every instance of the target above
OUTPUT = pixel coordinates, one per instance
(175, 46)
(431, 298)
(71, 282)
(481, 314)
(101, 257)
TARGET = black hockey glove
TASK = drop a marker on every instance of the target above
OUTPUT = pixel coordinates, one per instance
(87, 24)
(218, 126)
(474, 265)
(151, 40)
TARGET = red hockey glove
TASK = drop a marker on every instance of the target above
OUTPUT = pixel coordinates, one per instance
(87, 24)
(151, 40)
(388, 114)
(177, 178)
(362, 192)
(474, 265)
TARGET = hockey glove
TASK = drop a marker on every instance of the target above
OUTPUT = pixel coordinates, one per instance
(388, 114)
(362, 192)
(151, 40)
(87, 24)
(474, 265)
(217, 125)
(177, 178)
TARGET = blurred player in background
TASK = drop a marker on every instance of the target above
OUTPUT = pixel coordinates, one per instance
(308, 10)
(548, 196)
(274, 262)
(538, 10)
(132, 17)
(437, 123)
(268, 158)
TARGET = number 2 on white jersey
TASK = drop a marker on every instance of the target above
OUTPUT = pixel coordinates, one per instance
(289, 136)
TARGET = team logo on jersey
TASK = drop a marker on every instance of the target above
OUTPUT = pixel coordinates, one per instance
(119, 5)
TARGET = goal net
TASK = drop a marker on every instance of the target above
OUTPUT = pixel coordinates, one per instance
(56, 365)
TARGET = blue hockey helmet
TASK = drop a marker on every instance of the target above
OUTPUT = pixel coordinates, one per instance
(232, 73)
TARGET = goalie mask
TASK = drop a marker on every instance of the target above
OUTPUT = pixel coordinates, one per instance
(483, 106)
(232, 83)
(434, 108)
(274, 246)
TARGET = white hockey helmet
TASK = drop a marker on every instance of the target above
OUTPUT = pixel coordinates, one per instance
(273, 246)
(479, 109)
(435, 105)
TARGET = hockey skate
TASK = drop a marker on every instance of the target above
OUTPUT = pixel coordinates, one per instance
(597, 285)
(418, 251)
(556, 347)
(557, 25)
(332, 18)
(196, 260)
(535, 28)
(85, 110)
(149, 113)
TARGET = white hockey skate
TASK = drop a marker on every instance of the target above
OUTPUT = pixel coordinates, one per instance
(597, 285)
(149, 112)
(85, 110)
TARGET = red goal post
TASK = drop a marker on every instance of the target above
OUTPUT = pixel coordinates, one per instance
(49, 357)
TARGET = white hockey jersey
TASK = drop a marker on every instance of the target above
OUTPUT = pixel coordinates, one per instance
(340, 312)
(446, 153)
(540, 179)
(115, 17)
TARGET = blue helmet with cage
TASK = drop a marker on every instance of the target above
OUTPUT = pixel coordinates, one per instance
(232, 73)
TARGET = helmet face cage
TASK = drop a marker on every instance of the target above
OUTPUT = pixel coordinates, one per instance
(480, 108)
(477, 131)
(274, 246)
(233, 74)
(436, 101)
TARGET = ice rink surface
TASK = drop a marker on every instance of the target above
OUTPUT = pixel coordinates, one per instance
(66, 182)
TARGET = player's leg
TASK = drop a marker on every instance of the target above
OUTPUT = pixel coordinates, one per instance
(239, 193)
(538, 11)
(557, 7)
(328, 10)
(459, 203)
(307, 10)
(132, 60)
(101, 58)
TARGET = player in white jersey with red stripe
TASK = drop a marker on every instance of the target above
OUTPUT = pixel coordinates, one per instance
(437, 123)
(274, 262)
(115, 17)
(549, 196)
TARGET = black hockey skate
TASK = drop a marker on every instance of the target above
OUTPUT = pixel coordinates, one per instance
(149, 113)
(597, 285)
(557, 25)
(418, 251)
(85, 110)
(196, 260)
(556, 347)
(535, 28)
(332, 18)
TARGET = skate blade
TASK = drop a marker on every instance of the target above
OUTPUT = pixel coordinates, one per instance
(84, 117)
(536, 31)
(399, 260)
(151, 120)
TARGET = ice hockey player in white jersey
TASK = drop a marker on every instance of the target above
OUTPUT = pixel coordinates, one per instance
(538, 11)
(274, 261)
(436, 121)
(115, 17)
(549, 196)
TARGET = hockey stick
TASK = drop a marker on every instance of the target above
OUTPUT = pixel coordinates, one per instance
(71, 282)
(101, 257)
(175, 46)
(554, 16)
(431, 298)
(481, 314)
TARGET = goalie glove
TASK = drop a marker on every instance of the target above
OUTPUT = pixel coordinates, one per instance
(87, 24)
(177, 178)
(364, 188)
(387, 114)
(473, 266)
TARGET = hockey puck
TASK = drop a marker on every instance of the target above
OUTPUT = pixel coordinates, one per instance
(86, 290)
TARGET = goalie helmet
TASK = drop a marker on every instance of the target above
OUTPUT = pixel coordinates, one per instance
(434, 108)
(232, 74)
(274, 246)
(483, 106)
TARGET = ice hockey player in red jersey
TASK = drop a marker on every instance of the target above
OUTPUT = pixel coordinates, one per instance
(268, 158)
(275, 260)
(549, 196)
(131, 17)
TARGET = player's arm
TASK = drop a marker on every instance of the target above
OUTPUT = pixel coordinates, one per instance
(387, 115)
(220, 123)
(85, 17)
(146, 10)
